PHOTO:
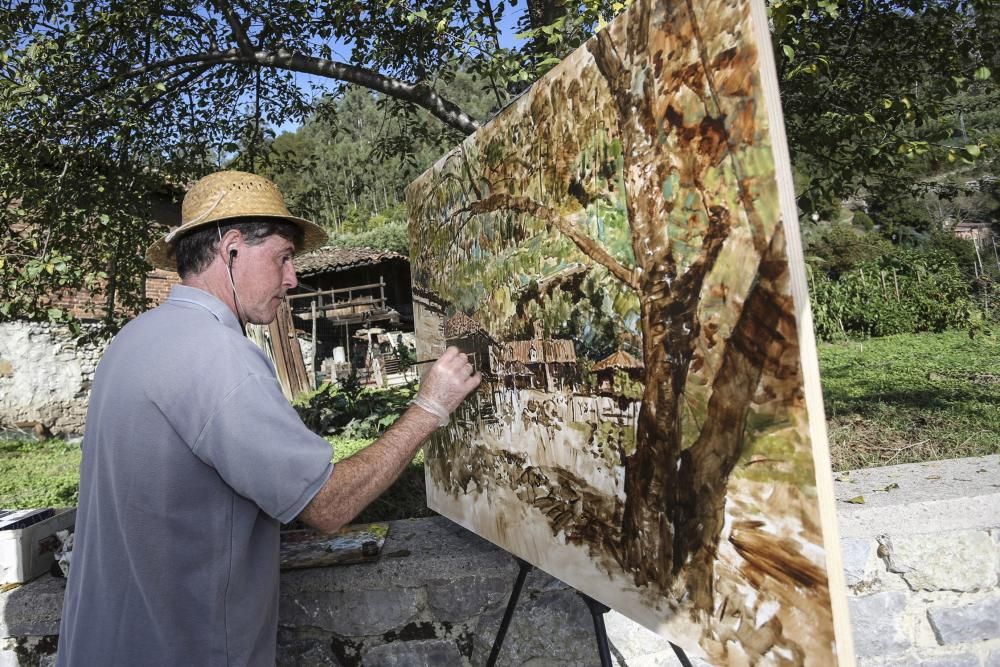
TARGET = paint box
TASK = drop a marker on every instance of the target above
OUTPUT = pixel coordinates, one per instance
(28, 542)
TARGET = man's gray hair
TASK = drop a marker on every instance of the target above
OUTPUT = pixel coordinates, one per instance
(194, 250)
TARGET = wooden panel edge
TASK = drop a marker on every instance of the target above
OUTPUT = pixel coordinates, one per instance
(807, 340)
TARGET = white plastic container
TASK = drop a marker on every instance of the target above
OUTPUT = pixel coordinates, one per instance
(26, 553)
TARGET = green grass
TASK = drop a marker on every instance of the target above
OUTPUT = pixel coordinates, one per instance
(911, 397)
(898, 399)
(38, 474)
(47, 474)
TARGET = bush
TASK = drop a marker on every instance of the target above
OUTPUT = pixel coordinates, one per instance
(38, 474)
(839, 247)
(903, 292)
(350, 411)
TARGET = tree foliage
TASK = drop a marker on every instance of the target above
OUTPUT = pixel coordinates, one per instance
(869, 88)
(105, 102)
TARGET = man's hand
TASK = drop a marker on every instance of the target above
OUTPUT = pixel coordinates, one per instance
(358, 480)
(447, 383)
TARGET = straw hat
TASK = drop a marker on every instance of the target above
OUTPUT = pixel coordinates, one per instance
(227, 195)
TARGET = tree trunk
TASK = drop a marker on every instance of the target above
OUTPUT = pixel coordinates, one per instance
(764, 339)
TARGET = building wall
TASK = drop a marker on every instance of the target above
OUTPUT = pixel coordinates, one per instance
(46, 372)
(45, 377)
(158, 286)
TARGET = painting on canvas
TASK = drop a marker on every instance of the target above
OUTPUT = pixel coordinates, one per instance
(617, 252)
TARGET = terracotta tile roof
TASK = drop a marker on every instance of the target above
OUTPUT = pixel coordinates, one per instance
(338, 259)
(620, 359)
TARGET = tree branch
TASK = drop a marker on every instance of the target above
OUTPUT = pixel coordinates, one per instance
(420, 93)
(239, 33)
(502, 201)
(611, 67)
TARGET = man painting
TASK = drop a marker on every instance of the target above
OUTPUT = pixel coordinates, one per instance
(192, 457)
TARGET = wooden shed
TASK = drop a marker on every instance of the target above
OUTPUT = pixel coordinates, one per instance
(344, 291)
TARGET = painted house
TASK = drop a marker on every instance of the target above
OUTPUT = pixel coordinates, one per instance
(469, 336)
(551, 362)
(606, 368)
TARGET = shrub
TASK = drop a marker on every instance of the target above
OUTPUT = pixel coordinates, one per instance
(350, 411)
(903, 292)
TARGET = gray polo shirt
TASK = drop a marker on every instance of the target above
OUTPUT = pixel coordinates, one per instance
(191, 458)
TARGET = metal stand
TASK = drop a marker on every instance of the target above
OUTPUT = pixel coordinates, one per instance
(597, 612)
(511, 604)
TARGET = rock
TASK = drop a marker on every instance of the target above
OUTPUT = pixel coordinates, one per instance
(424, 653)
(878, 623)
(350, 613)
(957, 660)
(457, 599)
(963, 561)
(978, 621)
(541, 622)
(857, 553)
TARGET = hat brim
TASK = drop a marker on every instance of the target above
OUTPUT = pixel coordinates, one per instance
(161, 253)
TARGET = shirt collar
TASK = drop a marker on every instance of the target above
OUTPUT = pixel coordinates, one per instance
(222, 312)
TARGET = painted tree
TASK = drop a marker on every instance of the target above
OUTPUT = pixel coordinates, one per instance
(669, 129)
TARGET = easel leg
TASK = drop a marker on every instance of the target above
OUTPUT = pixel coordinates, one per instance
(597, 612)
(511, 604)
(681, 655)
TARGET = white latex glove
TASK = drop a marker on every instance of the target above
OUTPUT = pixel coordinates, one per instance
(446, 384)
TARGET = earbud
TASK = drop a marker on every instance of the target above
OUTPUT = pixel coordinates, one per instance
(232, 253)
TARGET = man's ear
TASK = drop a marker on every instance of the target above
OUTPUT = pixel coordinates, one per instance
(230, 245)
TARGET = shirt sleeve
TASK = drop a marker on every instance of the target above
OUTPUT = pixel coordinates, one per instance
(260, 447)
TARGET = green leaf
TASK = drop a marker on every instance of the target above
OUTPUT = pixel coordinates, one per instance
(972, 150)
(54, 313)
(982, 73)
(856, 500)
(789, 52)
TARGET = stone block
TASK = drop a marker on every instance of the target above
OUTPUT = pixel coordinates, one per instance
(422, 653)
(554, 625)
(456, 600)
(34, 609)
(857, 554)
(955, 660)
(877, 621)
(662, 659)
(963, 561)
(312, 652)
(634, 640)
(350, 613)
(20, 651)
(978, 621)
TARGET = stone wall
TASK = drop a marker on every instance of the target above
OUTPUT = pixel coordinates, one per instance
(921, 556)
(45, 376)
(45, 373)
(922, 561)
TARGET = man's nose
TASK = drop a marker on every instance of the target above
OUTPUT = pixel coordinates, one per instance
(290, 280)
